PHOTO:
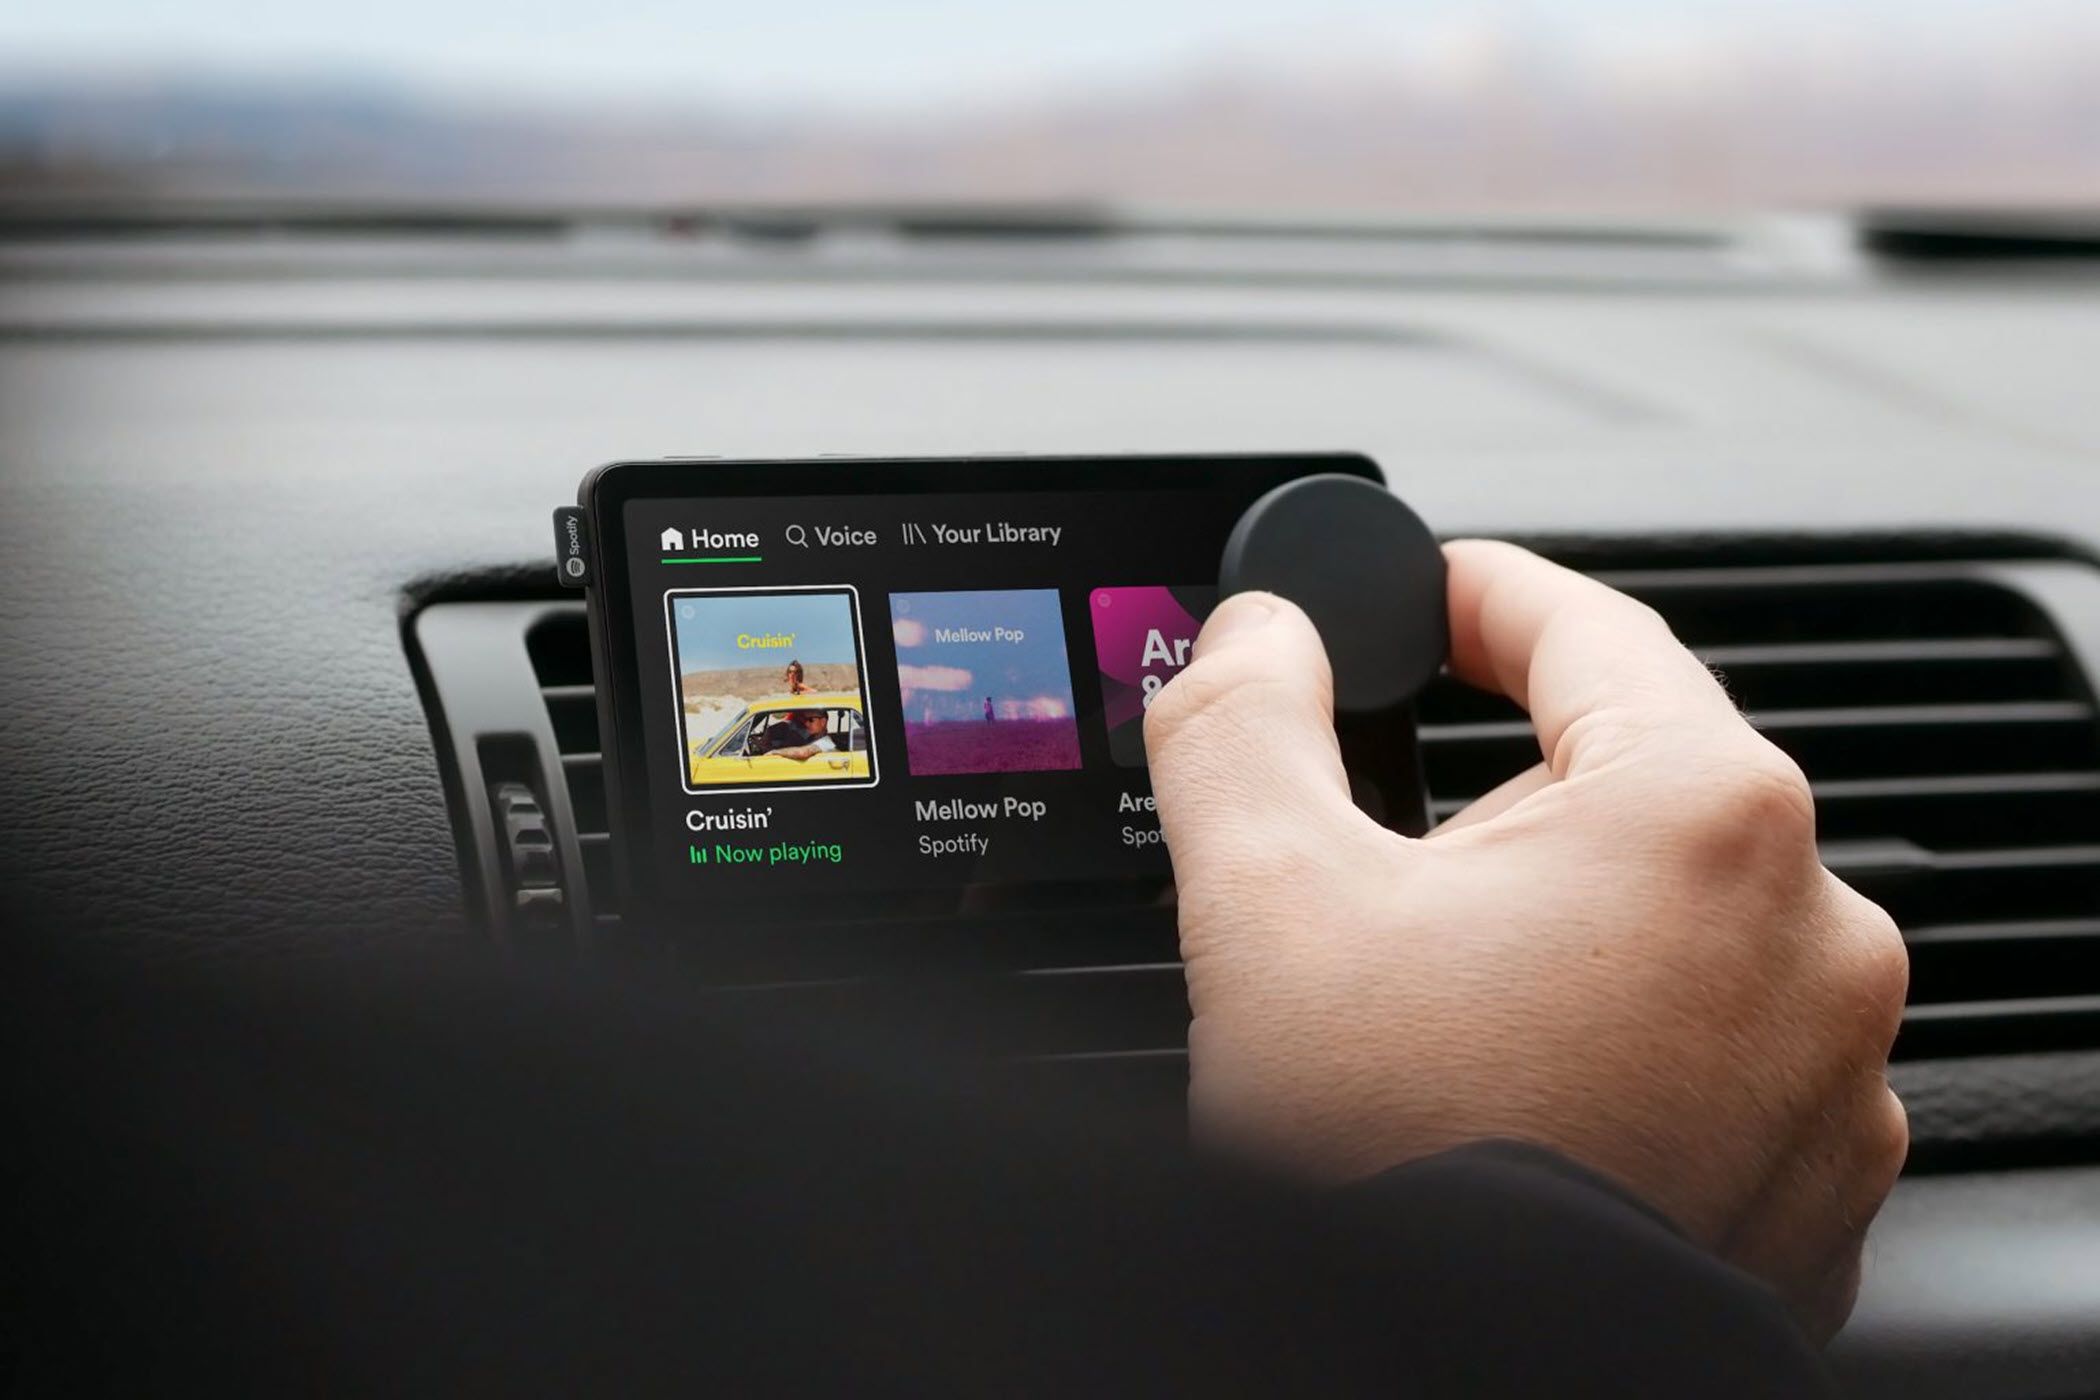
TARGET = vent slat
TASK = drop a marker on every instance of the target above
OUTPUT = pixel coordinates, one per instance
(2038, 712)
(1957, 785)
(1817, 675)
(2003, 931)
(1904, 857)
(1831, 744)
(1171, 1054)
(1856, 655)
(1959, 812)
(1956, 895)
(2026, 859)
(2025, 713)
(2032, 1006)
(1999, 1027)
(1726, 607)
(1822, 675)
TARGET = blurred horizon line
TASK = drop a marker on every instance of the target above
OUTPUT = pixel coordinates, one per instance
(1502, 120)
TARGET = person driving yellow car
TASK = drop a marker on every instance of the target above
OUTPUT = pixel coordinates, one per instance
(799, 735)
(810, 737)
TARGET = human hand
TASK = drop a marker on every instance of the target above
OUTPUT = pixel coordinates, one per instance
(1630, 954)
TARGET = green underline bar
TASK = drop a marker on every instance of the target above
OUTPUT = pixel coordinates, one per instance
(719, 559)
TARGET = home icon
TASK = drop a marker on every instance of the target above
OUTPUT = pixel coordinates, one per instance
(673, 541)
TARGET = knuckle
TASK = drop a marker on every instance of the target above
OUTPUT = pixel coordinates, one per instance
(1744, 809)
(1881, 960)
(1764, 791)
(1885, 1144)
(1895, 1141)
(1888, 959)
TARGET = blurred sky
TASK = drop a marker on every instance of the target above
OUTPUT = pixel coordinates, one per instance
(821, 625)
(1311, 104)
(949, 680)
(856, 52)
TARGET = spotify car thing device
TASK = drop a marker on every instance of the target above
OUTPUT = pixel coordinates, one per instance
(849, 693)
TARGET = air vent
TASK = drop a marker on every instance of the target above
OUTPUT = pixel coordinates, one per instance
(1949, 736)
(560, 648)
(1955, 759)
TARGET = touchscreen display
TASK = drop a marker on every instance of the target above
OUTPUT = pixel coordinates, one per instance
(849, 699)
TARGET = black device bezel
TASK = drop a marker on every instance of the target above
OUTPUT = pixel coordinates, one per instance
(610, 603)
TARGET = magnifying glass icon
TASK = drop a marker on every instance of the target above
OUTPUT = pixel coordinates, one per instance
(795, 535)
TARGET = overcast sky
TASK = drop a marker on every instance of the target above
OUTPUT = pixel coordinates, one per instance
(858, 51)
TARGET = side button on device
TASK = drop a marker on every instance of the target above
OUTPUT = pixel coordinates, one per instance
(572, 548)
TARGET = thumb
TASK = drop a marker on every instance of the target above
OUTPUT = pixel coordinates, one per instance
(1245, 768)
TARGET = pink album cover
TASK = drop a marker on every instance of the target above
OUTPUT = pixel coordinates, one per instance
(1142, 637)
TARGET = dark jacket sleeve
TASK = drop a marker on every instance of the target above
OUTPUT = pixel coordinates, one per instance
(424, 1177)
(1554, 1281)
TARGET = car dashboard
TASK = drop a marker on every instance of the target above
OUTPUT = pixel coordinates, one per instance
(289, 670)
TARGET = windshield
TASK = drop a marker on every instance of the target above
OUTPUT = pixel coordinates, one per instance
(1234, 105)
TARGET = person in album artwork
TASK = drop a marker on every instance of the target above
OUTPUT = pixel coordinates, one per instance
(804, 735)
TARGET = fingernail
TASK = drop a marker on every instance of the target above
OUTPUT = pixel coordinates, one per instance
(1241, 613)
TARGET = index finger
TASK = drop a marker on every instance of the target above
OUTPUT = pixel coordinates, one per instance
(1598, 672)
